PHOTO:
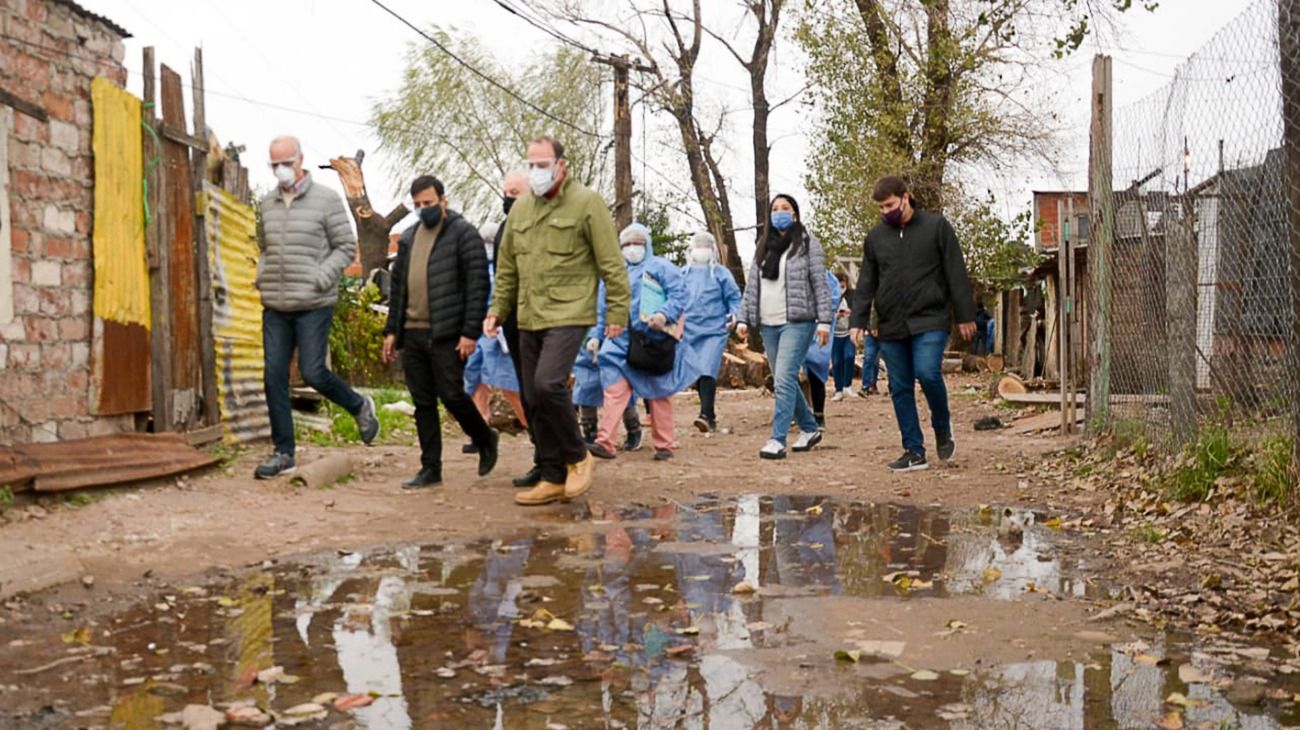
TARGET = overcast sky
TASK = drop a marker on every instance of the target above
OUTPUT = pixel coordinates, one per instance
(313, 68)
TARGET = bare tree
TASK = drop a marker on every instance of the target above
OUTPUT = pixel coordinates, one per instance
(372, 228)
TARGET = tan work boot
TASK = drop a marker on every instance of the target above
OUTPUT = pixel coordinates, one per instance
(580, 477)
(544, 493)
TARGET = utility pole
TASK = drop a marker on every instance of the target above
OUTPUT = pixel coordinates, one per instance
(1288, 32)
(622, 135)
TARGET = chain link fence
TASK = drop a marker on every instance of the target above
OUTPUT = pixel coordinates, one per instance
(1191, 285)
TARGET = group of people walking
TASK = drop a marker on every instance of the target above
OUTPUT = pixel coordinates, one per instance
(555, 293)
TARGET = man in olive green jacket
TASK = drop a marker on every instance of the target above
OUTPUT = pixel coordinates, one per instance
(559, 243)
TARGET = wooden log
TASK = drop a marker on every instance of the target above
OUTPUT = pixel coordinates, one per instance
(323, 472)
(1010, 384)
(995, 363)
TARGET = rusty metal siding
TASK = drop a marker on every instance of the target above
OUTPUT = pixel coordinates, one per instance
(186, 376)
(231, 229)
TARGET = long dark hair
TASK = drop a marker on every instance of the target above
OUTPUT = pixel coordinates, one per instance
(798, 246)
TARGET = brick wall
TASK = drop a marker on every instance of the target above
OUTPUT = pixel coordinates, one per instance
(49, 54)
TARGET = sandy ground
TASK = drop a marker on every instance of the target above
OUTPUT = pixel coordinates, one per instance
(225, 519)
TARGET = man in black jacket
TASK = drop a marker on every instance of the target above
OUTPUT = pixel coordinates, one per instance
(435, 316)
(914, 275)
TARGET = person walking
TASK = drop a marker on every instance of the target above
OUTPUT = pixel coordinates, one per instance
(435, 313)
(559, 243)
(648, 358)
(870, 358)
(817, 364)
(589, 394)
(307, 242)
(490, 366)
(914, 275)
(843, 351)
(980, 346)
(713, 306)
(786, 296)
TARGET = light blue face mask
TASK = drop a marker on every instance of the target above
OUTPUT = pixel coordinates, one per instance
(782, 219)
(541, 179)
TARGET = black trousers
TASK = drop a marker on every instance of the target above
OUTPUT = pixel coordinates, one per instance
(546, 359)
(435, 372)
(511, 330)
(708, 387)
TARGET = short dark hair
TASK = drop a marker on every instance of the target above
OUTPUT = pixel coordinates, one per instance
(556, 147)
(888, 187)
(424, 182)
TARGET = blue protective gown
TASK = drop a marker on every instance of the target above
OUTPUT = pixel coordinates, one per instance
(587, 390)
(613, 352)
(490, 363)
(711, 296)
(818, 361)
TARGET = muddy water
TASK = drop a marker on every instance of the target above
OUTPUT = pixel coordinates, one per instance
(630, 617)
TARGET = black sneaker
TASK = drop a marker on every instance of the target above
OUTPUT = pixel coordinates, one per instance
(468, 448)
(633, 443)
(945, 446)
(425, 478)
(530, 479)
(704, 425)
(909, 461)
(663, 454)
(600, 452)
(368, 421)
(487, 454)
(275, 466)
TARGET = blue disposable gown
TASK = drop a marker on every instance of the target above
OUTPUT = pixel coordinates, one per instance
(587, 390)
(818, 361)
(613, 352)
(490, 364)
(711, 296)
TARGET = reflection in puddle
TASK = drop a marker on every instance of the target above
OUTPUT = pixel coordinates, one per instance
(630, 622)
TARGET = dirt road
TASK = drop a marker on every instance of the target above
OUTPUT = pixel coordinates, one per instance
(713, 590)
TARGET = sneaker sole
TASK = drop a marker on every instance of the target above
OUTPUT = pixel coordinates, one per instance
(537, 503)
(276, 475)
(701, 425)
(951, 454)
(913, 467)
(773, 457)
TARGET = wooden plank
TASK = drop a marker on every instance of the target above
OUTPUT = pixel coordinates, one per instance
(26, 107)
(159, 296)
(1042, 398)
(204, 436)
(186, 376)
(199, 164)
(6, 233)
(1101, 234)
(1289, 53)
(1049, 421)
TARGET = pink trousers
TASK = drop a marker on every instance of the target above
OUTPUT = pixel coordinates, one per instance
(661, 418)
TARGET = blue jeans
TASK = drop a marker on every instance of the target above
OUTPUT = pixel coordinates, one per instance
(870, 360)
(787, 345)
(309, 333)
(843, 354)
(912, 359)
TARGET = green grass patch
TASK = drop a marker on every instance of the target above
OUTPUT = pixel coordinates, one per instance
(1210, 456)
(6, 499)
(1149, 534)
(1271, 471)
(80, 499)
(394, 427)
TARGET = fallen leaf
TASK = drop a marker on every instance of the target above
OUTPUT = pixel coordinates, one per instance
(325, 698)
(1188, 674)
(271, 675)
(444, 672)
(226, 602)
(1147, 660)
(1172, 721)
(851, 655)
(814, 510)
(559, 624)
(558, 680)
(679, 650)
(743, 587)
(247, 716)
(1054, 523)
(689, 631)
(924, 675)
(80, 636)
(990, 575)
(352, 702)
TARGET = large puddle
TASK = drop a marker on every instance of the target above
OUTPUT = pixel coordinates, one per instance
(717, 614)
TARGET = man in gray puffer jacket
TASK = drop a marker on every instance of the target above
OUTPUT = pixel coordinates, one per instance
(307, 242)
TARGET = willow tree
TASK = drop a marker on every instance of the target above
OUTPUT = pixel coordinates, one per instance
(919, 88)
(447, 121)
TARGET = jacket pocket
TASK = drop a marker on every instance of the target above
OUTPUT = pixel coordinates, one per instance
(261, 269)
(568, 292)
(323, 282)
(561, 235)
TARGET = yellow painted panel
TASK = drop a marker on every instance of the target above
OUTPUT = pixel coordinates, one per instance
(121, 269)
(231, 228)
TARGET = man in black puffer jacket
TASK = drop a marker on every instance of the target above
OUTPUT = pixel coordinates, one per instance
(435, 316)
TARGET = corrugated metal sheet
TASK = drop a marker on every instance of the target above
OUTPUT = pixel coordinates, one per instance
(99, 461)
(236, 315)
(120, 357)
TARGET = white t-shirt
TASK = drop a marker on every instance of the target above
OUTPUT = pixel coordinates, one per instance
(771, 296)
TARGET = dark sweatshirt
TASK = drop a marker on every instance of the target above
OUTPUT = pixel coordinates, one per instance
(915, 276)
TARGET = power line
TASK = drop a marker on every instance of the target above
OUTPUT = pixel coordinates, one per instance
(469, 67)
(547, 29)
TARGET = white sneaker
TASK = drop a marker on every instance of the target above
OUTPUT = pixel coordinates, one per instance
(773, 449)
(839, 395)
(855, 393)
(806, 441)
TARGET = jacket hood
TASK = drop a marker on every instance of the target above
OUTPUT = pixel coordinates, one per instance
(630, 232)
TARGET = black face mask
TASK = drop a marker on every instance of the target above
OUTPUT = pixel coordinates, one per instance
(431, 215)
(507, 203)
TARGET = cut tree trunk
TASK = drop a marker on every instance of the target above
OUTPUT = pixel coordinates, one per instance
(743, 368)
(372, 229)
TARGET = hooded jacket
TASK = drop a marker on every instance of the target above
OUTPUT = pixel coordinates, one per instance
(458, 282)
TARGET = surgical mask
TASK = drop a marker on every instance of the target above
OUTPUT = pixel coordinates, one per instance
(893, 217)
(431, 215)
(284, 173)
(541, 179)
(507, 203)
(701, 256)
(782, 219)
(634, 254)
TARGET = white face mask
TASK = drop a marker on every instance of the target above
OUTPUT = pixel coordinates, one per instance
(541, 179)
(285, 174)
(701, 256)
(634, 254)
